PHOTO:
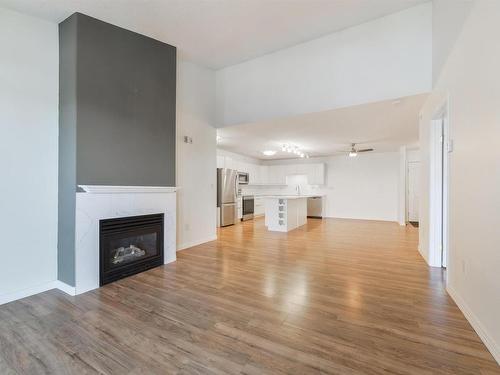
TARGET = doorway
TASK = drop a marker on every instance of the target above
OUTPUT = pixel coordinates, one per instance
(413, 192)
(440, 146)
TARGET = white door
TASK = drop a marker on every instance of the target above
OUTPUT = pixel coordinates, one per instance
(413, 190)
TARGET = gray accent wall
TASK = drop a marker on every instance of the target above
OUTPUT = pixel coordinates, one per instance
(117, 116)
(126, 107)
(67, 151)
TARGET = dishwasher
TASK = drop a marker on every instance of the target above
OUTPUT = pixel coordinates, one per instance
(315, 207)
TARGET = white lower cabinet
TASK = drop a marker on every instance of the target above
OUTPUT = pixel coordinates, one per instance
(240, 208)
(258, 206)
(285, 214)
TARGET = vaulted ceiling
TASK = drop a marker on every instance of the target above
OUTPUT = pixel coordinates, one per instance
(219, 33)
(384, 126)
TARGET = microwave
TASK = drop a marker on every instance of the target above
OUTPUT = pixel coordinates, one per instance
(243, 178)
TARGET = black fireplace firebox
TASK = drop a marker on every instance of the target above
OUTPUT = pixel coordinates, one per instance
(129, 245)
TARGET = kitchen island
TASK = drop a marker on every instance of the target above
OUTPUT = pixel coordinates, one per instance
(284, 213)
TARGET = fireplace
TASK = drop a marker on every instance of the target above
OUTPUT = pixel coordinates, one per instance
(129, 245)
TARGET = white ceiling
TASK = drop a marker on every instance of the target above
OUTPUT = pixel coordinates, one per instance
(218, 33)
(384, 126)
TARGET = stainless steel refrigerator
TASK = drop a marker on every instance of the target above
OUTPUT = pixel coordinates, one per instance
(227, 186)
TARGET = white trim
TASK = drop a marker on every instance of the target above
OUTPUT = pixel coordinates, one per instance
(101, 189)
(439, 179)
(190, 244)
(488, 341)
(402, 187)
(56, 284)
(63, 287)
(435, 196)
(362, 219)
(9, 297)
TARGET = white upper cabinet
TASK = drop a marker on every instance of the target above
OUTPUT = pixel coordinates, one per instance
(275, 174)
(220, 161)
(225, 162)
(303, 169)
(263, 174)
(290, 169)
(253, 172)
(240, 166)
(315, 173)
(228, 162)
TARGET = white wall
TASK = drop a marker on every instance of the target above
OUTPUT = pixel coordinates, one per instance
(365, 187)
(413, 155)
(383, 59)
(448, 17)
(196, 162)
(238, 157)
(28, 154)
(470, 78)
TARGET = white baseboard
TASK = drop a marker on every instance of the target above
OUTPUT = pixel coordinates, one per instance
(488, 341)
(14, 296)
(361, 218)
(187, 245)
(23, 293)
(68, 289)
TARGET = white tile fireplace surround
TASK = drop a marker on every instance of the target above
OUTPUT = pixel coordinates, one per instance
(95, 203)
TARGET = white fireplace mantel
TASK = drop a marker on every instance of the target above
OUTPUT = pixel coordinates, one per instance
(95, 203)
(103, 189)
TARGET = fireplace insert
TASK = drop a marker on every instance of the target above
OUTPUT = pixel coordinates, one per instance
(129, 245)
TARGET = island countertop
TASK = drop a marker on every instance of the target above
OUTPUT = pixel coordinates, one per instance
(284, 213)
(288, 196)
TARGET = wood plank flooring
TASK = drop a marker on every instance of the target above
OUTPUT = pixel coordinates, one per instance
(332, 297)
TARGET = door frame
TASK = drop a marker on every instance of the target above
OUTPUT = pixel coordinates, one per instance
(439, 187)
(408, 165)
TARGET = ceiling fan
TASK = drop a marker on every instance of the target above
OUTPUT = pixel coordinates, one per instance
(353, 152)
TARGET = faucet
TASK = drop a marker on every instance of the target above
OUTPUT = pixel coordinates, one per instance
(297, 189)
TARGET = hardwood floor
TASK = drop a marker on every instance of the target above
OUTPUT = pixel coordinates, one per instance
(332, 297)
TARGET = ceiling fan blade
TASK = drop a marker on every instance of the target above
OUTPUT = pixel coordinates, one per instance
(365, 150)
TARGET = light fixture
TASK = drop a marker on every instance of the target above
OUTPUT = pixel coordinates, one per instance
(293, 149)
(269, 152)
(353, 154)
